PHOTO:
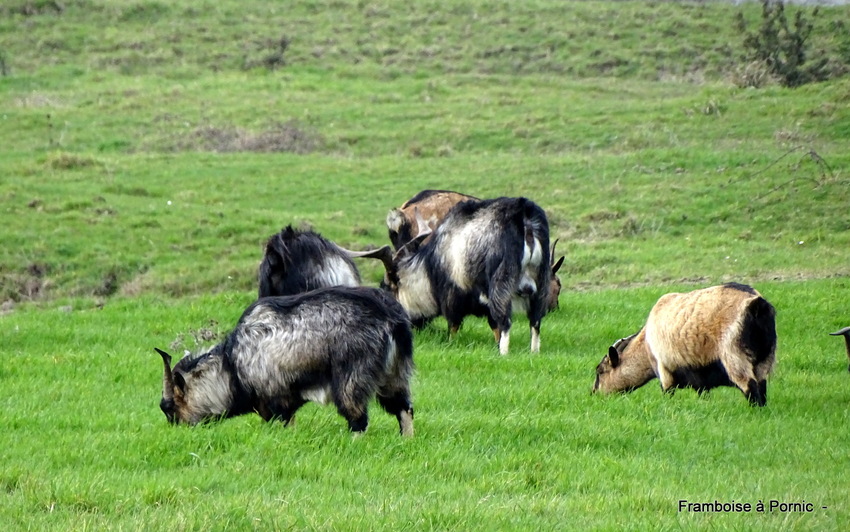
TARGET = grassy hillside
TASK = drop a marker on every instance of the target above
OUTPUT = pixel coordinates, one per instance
(633, 167)
(148, 149)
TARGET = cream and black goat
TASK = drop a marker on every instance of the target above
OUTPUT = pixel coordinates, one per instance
(718, 336)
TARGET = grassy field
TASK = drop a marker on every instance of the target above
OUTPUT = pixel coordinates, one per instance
(148, 149)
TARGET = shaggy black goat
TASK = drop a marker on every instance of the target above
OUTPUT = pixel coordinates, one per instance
(298, 261)
(341, 345)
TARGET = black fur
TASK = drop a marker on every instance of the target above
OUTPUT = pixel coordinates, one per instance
(703, 378)
(336, 338)
(493, 263)
(741, 287)
(758, 334)
(298, 261)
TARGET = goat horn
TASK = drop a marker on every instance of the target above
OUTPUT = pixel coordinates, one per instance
(845, 332)
(384, 254)
(167, 378)
(424, 228)
(555, 265)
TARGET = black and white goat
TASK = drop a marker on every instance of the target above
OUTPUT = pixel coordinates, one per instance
(424, 212)
(342, 345)
(485, 258)
(298, 261)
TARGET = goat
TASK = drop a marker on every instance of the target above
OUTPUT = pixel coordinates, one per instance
(298, 261)
(484, 258)
(431, 206)
(718, 336)
(425, 211)
(339, 344)
(845, 332)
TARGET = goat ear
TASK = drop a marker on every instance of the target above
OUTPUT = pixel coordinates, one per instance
(557, 265)
(613, 356)
(180, 381)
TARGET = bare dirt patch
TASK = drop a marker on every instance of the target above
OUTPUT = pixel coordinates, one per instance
(288, 137)
(27, 285)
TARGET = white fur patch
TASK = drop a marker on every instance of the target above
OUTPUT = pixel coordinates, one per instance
(337, 272)
(394, 220)
(527, 284)
(456, 254)
(535, 340)
(320, 395)
(414, 291)
(504, 342)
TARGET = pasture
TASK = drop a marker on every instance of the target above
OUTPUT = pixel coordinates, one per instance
(147, 151)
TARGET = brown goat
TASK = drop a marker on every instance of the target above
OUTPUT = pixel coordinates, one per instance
(718, 336)
(431, 206)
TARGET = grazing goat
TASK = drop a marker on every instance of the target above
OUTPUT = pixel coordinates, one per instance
(485, 258)
(718, 336)
(845, 332)
(342, 345)
(425, 211)
(298, 261)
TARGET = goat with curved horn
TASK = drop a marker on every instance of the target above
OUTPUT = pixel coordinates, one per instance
(845, 332)
(485, 258)
(167, 403)
(555, 288)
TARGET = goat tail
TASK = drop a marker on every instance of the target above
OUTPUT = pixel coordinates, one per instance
(758, 335)
(403, 343)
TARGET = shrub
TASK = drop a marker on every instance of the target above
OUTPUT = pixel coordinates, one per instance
(782, 48)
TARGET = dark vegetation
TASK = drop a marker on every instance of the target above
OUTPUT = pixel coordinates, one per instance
(785, 51)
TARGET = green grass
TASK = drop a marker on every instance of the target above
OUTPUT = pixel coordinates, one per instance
(502, 442)
(148, 149)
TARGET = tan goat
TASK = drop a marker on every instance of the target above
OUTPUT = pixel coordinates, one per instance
(718, 336)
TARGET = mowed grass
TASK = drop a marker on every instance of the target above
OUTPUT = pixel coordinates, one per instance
(147, 151)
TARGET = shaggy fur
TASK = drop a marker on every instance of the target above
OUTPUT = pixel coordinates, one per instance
(341, 345)
(298, 261)
(718, 336)
(485, 258)
(433, 206)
